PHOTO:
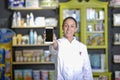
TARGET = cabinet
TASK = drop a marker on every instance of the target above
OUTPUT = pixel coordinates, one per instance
(114, 47)
(5, 60)
(36, 59)
(92, 30)
(5, 53)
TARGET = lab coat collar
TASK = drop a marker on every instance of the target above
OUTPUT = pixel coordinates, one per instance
(74, 38)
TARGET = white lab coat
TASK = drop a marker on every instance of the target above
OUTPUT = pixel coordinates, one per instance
(72, 61)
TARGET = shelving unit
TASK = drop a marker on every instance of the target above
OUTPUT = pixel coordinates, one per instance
(81, 12)
(28, 27)
(38, 65)
(5, 68)
(24, 63)
(30, 45)
(40, 8)
(114, 46)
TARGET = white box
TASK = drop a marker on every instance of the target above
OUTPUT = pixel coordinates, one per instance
(117, 75)
(32, 3)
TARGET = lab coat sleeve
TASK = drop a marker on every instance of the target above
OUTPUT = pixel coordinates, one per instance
(59, 70)
(52, 50)
(58, 65)
(87, 72)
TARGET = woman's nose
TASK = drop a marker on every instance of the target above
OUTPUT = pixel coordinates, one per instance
(68, 28)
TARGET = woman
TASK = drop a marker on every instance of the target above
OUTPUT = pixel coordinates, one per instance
(72, 58)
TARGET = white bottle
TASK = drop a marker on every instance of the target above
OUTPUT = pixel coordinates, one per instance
(90, 28)
(31, 41)
(101, 15)
(31, 19)
(18, 18)
(14, 24)
(35, 37)
(28, 20)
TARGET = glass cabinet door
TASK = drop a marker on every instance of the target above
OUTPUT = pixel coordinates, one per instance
(96, 24)
(68, 9)
(95, 27)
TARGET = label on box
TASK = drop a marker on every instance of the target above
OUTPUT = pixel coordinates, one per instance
(6, 35)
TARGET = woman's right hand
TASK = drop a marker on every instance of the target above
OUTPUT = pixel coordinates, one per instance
(55, 44)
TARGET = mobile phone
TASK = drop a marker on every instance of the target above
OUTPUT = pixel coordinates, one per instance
(49, 35)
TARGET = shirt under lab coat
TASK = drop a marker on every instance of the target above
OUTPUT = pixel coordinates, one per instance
(72, 61)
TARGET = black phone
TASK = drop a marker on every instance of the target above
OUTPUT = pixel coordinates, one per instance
(49, 34)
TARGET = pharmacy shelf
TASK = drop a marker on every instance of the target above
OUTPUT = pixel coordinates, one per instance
(96, 47)
(30, 45)
(114, 6)
(24, 63)
(28, 27)
(97, 32)
(31, 8)
(116, 43)
(31, 27)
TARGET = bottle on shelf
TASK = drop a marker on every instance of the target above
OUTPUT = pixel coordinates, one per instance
(28, 20)
(31, 38)
(14, 19)
(18, 18)
(14, 40)
(31, 19)
(35, 37)
(19, 38)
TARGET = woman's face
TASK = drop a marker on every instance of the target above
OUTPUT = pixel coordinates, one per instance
(69, 28)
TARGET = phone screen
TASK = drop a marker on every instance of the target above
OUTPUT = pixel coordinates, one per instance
(49, 35)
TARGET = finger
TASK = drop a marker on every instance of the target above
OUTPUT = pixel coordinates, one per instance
(44, 35)
(54, 37)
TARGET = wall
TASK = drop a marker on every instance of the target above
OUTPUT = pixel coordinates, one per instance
(5, 22)
(4, 14)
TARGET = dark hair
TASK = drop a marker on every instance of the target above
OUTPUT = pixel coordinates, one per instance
(69, 18)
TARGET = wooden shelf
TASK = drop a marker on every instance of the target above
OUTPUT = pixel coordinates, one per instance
(24, 63)
(31, 8)
(96, 32)
(30, 27)
(29, 45)
(114, 6)
(96, 47)
(117, 62)
(116, 25)
(102, 73)
(116, 43)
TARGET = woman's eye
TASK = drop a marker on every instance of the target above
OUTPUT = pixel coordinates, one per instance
(65, 25)
(72, 26)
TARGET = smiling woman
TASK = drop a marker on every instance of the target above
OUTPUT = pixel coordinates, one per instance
(67, 48)
(69, 28)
